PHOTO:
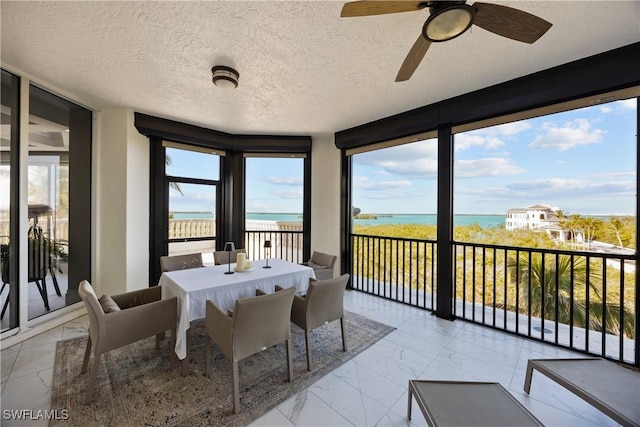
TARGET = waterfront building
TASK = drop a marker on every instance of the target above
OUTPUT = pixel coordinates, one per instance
(533, 217)
(541, 218)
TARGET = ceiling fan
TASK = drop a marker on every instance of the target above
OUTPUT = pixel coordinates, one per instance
(449, 19)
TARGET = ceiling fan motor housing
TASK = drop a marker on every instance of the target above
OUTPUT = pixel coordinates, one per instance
(448, 20)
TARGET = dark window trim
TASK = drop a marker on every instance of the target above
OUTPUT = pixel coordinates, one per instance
(159, 128)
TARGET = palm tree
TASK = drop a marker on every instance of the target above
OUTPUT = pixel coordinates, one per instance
(620, 225)
(175, 185)
(555, 277)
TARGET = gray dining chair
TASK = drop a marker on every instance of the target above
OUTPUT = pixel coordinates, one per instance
(256, 324)
(180, 262)
(223, 257)
(124, 319)
(323, 303)
(322, 265)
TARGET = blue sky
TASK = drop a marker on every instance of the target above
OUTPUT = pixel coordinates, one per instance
(580, 161)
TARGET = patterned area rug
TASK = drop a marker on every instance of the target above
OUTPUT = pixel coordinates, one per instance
(136, 386)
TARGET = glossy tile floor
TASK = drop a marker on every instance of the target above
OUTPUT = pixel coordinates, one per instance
(371, 389)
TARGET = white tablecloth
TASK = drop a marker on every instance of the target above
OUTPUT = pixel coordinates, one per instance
(195, 286)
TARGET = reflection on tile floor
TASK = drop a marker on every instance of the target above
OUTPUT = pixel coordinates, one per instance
(369, 390)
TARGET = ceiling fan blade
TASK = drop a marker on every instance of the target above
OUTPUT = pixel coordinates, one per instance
(413, 59)
(376, 7)
(509, 22)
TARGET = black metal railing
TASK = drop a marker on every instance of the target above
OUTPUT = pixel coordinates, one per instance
(286, 245)
(581, 300)
(399, 269)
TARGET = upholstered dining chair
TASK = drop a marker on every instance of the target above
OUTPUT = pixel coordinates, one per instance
(180, 262)
(323, 303)
(322, 265)
(256, 324)
(124, 319)
(223, 257)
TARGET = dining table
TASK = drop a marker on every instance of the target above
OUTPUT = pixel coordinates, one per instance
(193, 287)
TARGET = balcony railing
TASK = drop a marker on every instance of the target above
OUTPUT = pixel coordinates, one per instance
(285, 245)
(192, 235)
(580, 300)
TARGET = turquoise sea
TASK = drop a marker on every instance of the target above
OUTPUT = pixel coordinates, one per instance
(484, 221)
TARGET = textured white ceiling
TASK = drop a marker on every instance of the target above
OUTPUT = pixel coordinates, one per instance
(303, 69)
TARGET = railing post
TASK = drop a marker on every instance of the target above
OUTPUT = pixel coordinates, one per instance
(445, 224)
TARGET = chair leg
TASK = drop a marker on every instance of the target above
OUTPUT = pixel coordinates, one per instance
(344, 336)
(172, 349)
(207, 353)
(307, 340)
(289, 360)
(93, 376)
(185, 361)
(87, 353)
(236, 387)
(55, 280)
(42, 288)
(6, 304)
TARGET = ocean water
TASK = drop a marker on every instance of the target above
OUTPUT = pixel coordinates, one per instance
(485, 221)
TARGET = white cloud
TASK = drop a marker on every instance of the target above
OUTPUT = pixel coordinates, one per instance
(506, 129)
(571, 134)
(258, 207)
(285, 180)
(466, 140)
(618, 175)
(417, 168)
(606, 109)
(558, 189)
(629, 104)
(418, 150)
(363, 183)
(288, 194)
(491, 166)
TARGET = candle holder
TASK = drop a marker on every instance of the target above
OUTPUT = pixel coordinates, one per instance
(229, 247)
(267, 248)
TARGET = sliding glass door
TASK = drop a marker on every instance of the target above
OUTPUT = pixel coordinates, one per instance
(45, 207)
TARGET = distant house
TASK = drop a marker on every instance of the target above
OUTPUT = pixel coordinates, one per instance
(537, 217)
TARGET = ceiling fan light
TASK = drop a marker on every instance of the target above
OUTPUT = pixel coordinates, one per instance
(225, 77)
(448, 22)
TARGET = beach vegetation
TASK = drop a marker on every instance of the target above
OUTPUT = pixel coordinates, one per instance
(590, 295)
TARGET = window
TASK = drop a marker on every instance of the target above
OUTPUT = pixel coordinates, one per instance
(274, 204)
(192, 178)
(577, 163)
(394, 187)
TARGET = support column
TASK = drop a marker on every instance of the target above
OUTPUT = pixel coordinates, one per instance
(445, 224)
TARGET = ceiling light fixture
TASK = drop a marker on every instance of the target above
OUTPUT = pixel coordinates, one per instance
(447, 21)
(225, 77)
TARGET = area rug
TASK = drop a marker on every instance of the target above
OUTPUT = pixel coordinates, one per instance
(136, 386)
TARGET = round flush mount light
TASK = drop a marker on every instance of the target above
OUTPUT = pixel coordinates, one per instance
(225, 77)
(448, 20)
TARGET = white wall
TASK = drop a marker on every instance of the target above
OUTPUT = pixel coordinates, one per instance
(325, 197)
(122, 204)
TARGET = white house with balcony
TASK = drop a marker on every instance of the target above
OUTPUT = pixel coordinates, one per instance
(541, 218)
(533, 217)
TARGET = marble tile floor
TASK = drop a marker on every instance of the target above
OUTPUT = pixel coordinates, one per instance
(369, 390)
